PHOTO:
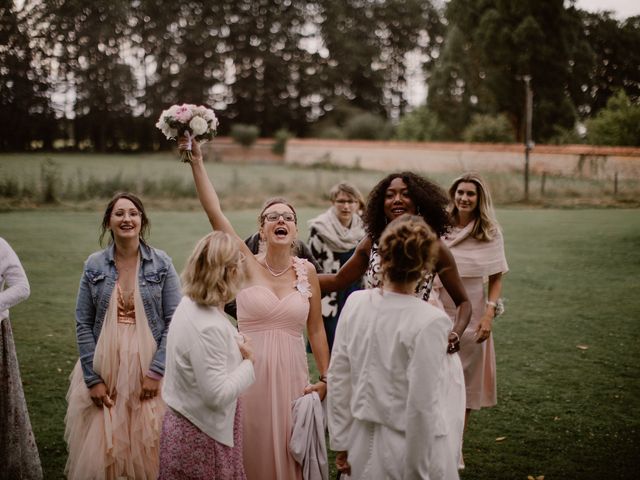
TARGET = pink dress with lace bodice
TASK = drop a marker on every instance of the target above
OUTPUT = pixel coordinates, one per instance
(275, 326)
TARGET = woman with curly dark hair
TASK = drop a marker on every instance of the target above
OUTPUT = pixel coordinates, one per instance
(397, 194)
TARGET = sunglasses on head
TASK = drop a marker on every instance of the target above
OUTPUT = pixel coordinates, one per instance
(274, 216)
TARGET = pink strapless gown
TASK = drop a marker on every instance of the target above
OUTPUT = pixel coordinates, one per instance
(275, 326)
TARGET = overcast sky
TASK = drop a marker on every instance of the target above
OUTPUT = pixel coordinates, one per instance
(622, 8)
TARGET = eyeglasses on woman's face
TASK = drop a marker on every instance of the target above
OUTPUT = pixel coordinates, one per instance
(275, 216)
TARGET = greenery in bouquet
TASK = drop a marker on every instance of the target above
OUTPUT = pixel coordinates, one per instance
(197, 122)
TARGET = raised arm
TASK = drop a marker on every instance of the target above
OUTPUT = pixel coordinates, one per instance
(350, 272)
(207, 194)
(448, 273)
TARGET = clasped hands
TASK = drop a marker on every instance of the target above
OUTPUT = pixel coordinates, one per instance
(100, 397)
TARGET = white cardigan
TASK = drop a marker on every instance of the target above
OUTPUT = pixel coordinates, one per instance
(11, 274)
(389, 367)
(205, 372)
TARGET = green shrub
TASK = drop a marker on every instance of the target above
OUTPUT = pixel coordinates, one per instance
(565, 136)
(50, 181)
(245, 135)
(617, 124)
(421, 125)
(281, 137)
(490, 129)
(367, 126)
(329, 132)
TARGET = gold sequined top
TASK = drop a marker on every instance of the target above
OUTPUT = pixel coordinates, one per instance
(126, 307)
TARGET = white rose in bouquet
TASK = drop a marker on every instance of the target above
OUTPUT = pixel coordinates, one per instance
(198, 125)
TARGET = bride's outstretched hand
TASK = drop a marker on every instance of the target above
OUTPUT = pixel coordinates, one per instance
(186, 141)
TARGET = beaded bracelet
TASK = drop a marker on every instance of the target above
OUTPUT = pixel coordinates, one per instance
(498, 307)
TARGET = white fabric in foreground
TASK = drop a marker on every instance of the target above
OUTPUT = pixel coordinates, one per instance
(307, 444)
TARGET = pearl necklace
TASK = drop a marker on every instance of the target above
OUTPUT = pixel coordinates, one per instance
(275, 274)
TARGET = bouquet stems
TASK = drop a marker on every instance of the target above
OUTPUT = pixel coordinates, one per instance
(186, 156)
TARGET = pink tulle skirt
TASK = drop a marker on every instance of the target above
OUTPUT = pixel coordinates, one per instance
(121, 441)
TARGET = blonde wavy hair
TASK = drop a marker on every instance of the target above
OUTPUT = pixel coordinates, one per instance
(486, 224)
(214, 271)
(408, 248)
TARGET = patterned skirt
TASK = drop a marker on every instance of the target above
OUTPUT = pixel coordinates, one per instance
(186, 452)
(18, 451)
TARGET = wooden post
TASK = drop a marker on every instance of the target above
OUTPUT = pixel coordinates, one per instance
(527, 136)
(542, 182)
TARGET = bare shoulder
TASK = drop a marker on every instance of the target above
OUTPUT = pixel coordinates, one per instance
(311, 270)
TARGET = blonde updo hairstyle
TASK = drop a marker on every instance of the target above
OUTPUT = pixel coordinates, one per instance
(214, 271)
(408, 249)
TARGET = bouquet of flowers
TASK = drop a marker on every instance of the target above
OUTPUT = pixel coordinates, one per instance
(196, 122)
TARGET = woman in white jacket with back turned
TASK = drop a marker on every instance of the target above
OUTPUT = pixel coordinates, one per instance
(208, 366)
(396, 399)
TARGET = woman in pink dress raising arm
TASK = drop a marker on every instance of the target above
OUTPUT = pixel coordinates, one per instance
(279, 298)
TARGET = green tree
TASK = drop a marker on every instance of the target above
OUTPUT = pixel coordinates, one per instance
(273, 76)
(617, 124)
(90, 42)
(366, 43)
(178, 49)
(25, 112)
(454, 87)
(615, 55)
(496, 44)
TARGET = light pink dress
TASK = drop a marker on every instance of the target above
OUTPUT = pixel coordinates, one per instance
(275, 326)
(476, 261)
(121, 441)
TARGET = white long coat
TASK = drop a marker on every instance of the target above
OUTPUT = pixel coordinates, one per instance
(395, 397)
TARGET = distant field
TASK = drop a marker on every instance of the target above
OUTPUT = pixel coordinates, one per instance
(567, 347)
(75, 180)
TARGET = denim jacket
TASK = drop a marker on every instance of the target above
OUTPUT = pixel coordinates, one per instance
(160, 291)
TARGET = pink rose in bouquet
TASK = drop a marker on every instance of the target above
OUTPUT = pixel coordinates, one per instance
(196, 122)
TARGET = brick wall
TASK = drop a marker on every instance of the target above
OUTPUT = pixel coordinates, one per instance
(224, 149)
(571, 160)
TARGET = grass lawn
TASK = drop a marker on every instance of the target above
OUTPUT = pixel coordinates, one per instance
(76, 180)
(567, 346)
